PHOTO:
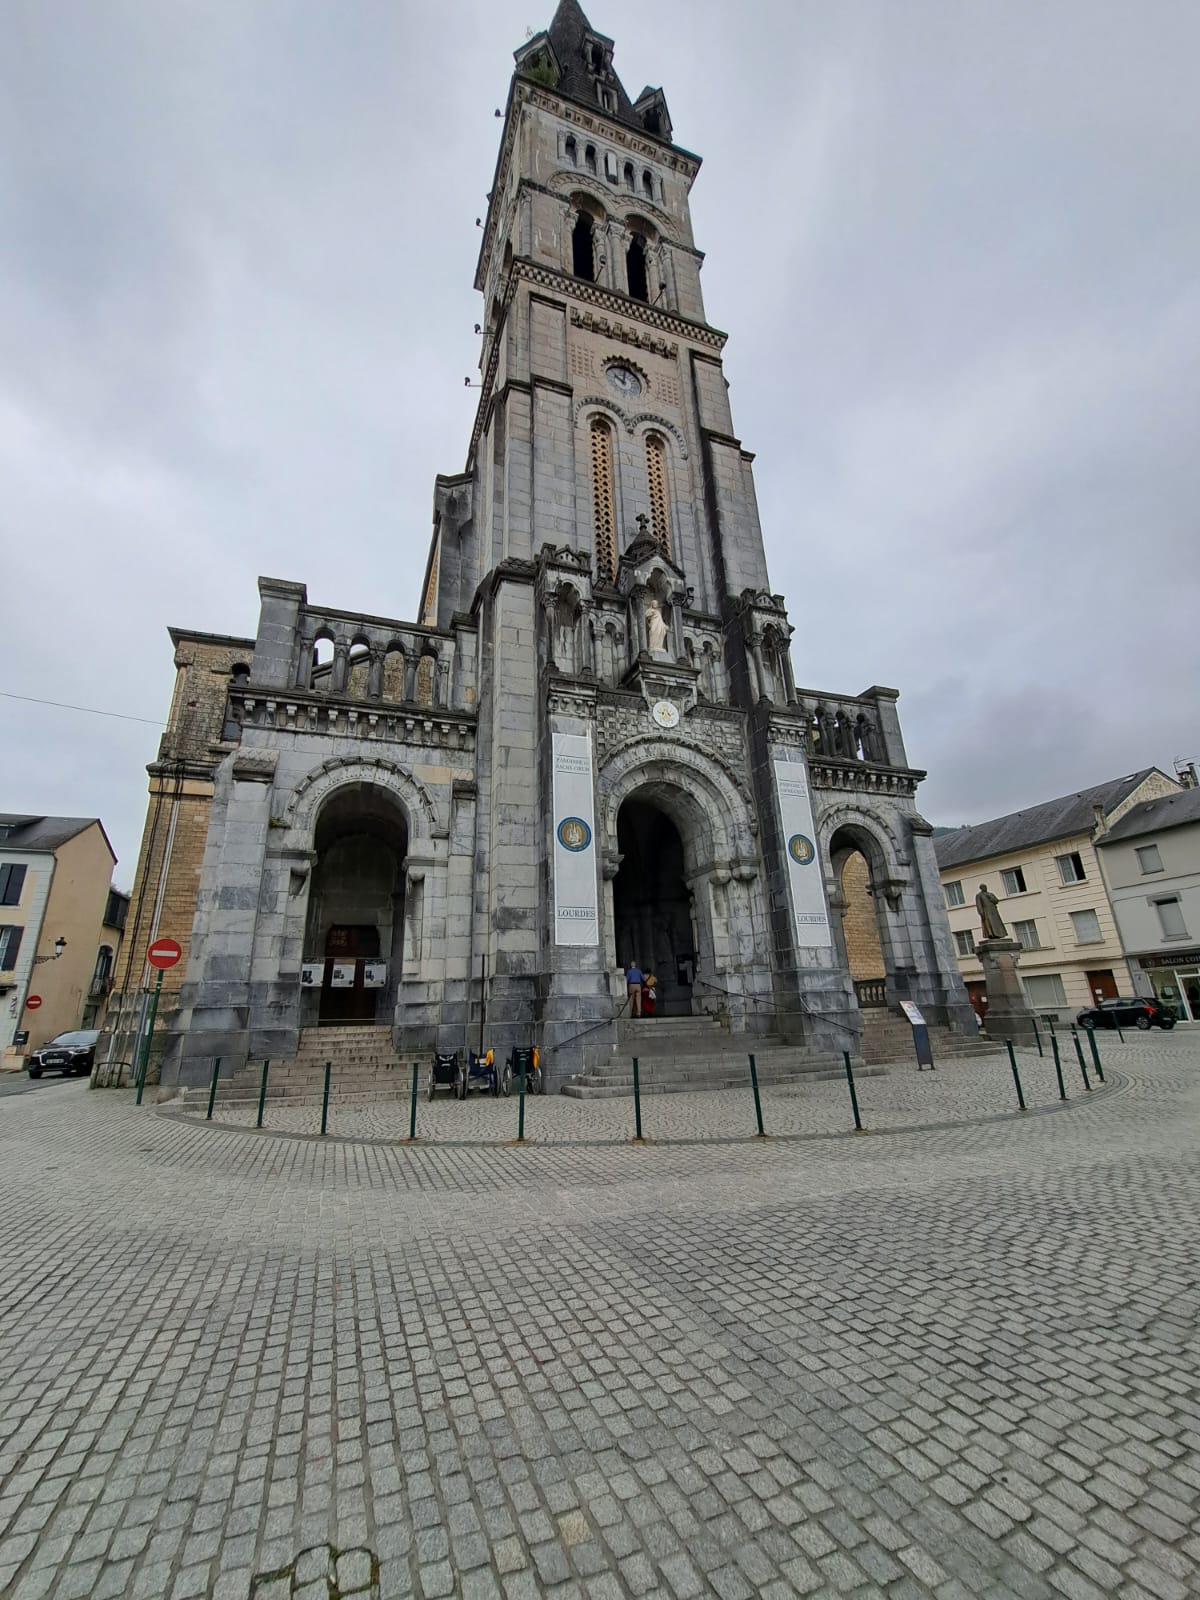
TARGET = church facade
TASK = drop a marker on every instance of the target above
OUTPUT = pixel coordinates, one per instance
(589, 749)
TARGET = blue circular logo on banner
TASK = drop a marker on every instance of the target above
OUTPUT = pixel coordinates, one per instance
(801, 850)
(574, 834)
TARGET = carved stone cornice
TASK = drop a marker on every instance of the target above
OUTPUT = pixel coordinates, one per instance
(372, 721)
(829, 773)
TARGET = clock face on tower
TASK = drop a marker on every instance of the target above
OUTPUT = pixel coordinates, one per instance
(624, 380)
(665, 713)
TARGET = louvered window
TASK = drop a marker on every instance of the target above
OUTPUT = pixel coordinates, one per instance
(656, 474)
(602, 500)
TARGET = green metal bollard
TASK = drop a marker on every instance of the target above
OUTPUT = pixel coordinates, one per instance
(1062, 1091)
(1091, 1033)
(1012, 1061)
(325, 1100)
(1082, 1063)
(262, 1094)
(1117, 1025)
(757, 1101)
(521, 1103)
(412, 1111)
(1037, 1037)
(637, 1101)
(853, 1093)
(212, 1092)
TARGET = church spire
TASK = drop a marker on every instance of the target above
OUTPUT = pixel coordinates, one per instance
(582, 64)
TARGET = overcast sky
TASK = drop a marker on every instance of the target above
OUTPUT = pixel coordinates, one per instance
(956, 247)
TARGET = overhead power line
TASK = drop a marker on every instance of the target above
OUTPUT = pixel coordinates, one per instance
(91, 711)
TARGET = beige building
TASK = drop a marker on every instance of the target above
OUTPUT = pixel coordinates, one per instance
(1151, 862)
(61, 929)
(1042, 865)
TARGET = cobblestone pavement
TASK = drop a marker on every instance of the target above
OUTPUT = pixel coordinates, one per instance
(957, 1362)
(957, 1091)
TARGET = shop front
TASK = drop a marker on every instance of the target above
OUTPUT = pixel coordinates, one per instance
(1175, 979)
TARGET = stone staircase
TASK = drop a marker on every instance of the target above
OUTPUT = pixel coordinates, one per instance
(365, 1067)
(888, 1038)
(679, 1055)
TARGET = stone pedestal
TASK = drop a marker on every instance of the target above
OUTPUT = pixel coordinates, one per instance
(1008, 1014)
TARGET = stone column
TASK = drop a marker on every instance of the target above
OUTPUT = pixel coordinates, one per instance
(1008, 1013)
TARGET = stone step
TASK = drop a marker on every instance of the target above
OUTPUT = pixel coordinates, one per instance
(583, 1088)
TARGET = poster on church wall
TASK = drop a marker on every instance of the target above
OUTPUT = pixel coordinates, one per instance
(805, 874)
(576, 900)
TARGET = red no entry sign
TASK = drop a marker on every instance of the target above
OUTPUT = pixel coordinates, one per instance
(33, 1002)
(163, 953)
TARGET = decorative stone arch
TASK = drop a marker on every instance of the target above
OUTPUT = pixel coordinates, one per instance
(586, 408)
(707, 790)
(317, 786)
(651, 422)
(568, 183)
(884, 840)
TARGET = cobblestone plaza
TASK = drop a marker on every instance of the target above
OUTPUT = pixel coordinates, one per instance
(950, 1361)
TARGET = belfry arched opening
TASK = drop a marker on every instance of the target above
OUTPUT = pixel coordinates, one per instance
(653, 916)
(354, 932)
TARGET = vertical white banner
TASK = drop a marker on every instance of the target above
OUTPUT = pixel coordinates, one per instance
(805, 873)
(576, 899)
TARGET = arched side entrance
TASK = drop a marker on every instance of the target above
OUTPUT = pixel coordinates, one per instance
(653, 907)
(861, 888)
(354, 931)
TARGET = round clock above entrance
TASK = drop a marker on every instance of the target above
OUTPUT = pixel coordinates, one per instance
(665, 713)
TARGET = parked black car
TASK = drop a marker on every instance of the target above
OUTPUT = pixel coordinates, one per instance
(69, 1053)
(1137, 1012)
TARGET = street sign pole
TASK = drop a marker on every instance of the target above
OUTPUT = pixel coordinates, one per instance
(144, 1064)
(162, 954)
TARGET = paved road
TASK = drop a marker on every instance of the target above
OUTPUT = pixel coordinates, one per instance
(956, 1363)
(22, 1083)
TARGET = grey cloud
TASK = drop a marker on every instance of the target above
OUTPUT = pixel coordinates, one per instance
(955, 249)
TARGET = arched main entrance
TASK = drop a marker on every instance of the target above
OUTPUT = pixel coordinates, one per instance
(355, 924)
(653, 914)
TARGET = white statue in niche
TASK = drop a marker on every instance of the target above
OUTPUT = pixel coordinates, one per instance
(656, 626)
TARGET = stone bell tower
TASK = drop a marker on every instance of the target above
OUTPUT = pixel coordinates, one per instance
(589, 748)
(653, 786)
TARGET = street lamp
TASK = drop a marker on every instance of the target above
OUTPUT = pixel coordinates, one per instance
(60, 944)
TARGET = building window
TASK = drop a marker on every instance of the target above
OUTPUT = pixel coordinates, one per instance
(10, 946)
(583, 250)
(12, 881)
(589, 158)
(116, 910)
(965, 942)
(1087, 927)
(1148, 858)
(954, 893)
(635, 269)
(1045, 992)
(648, 184)
(1170, 917)
(1026, 935)
(571, 150)
(603, 500)
(630, 176)
(656, 476)
(1070, 868)
(1013, 879)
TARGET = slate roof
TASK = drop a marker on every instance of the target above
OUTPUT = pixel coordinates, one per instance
(1020, 830)
(1152, 816)
(21, 832)
(568, 32)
